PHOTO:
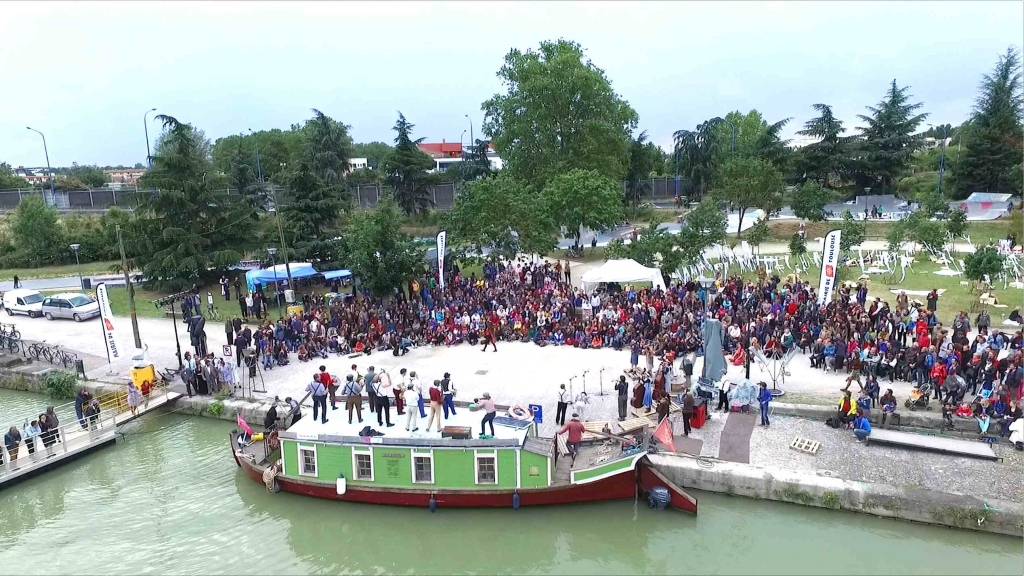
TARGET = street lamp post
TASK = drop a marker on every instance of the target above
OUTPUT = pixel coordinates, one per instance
(259, 167)
(74, 248)
(145, 126)
(942, 159)
(273, 266)
(53, 195)
(471, 140)
(733, 149)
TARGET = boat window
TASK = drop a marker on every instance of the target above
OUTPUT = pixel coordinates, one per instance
(362, 464)
(423, 468)
(487, 468)
(307, 461)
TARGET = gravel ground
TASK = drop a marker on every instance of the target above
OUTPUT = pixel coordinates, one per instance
(844, 457)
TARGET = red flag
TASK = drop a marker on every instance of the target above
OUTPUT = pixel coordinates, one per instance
(664, 434)
(243, 425)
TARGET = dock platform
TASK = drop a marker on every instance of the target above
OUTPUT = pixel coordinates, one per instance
(975, 449)
(75, 438)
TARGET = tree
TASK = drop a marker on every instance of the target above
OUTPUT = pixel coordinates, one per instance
(994, 142)
(930, 234)
(241, 173)
(825, 160)
(380, 255)
(755, 137)
(312, 215)
(68, 183)
(984, 262)
(328, 149)
(890, 136)
(502, 215)
(758, 233)
(38, 240)
(653, 247)
(809, 201)
(189, 229)
(851, 232)
(897, 236)
(583, 198)
(644, 157)
(956, 222)
(750, 183)
(376, 153)
(406, 170)
(89, 176)
(702, 227)
(797, 245)
(696, 152)
(475, 163)
(8, 179)
(559, 113)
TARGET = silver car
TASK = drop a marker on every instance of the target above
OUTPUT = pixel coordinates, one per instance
(77, 307)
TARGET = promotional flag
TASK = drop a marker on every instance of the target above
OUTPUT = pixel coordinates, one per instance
(442, 243)
(663, 433)
(829, 267)
(241, 424)
(106, 319)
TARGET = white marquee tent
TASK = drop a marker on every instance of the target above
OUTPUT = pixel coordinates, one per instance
(623, 272)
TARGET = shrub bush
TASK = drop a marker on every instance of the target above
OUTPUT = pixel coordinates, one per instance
(60, 384)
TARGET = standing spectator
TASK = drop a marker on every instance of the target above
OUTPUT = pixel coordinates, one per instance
(435, 405)
(229, 331)
(687, 411)
(134, 398)
(622, 393)
(933, 300)
(411, 395)
(224, 289)
(764, 397)
(12, 439)
(353, 397)
(563, 404)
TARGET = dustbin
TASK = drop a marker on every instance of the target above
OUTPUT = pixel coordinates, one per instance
(86, 283)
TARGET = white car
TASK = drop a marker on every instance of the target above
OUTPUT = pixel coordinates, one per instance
(71, 305)
(23, 301)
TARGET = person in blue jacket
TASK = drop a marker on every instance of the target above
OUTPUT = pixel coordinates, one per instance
(764, 396)
(861, 427)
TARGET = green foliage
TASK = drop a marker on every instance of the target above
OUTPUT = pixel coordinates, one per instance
(758, 233)
(36, 237)
(328, 149)
(697, 153)
(89, 176)
(755, 137)
(376, 153)
(475, 164)
(956, 222)
(994, 145)
(581, 198)
(897, 236)
(559, 114)
(890, 137)
(653, 247)
(797, 245)
(750, 183)
(704, 226)
(644, 158)
(501, 214)
(825, 160)
(188, 230)
(809, 201)
(852, 231)
(9, 181)
(380, 255)
(312, 216)
(60, 384)
(930, 234)
(830, 499)
(406, 170)
(985, 261)
(216, 408)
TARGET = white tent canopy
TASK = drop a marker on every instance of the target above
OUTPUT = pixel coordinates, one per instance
(623, 272)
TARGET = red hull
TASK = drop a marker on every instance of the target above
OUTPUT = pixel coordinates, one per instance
(650, 477)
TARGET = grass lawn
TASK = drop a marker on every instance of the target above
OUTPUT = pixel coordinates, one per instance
(980, 232)
(954, 299)
(64, 270)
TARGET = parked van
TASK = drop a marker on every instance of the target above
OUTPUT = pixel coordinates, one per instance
(23, 301)
(71, 305)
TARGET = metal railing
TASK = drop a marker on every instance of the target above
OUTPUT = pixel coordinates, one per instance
(11, 343)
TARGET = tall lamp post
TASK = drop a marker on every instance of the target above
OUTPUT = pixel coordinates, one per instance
(733, 149)
(273, 266)
(472, 142)
(49, 172)
(74, 248)
(145, 125)
(277, 214)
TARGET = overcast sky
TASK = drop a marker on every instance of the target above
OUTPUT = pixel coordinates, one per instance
(84, 73)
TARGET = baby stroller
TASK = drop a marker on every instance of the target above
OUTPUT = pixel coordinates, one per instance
(919, 396)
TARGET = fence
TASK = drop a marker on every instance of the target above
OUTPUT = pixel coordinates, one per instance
(657, 190)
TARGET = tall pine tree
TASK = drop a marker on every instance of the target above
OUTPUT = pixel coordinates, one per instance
(189, 229)
(312, 214)
(991, 162)
(329, 148)
(406, 170)
(890, 137)
(825, 160)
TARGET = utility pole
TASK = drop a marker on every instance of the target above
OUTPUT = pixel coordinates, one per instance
(145, 125)
(49, 171)
(472, 142)
(942, 159)
(284, 247)
(129, 289)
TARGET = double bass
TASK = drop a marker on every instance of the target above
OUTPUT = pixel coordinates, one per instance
(638, 394)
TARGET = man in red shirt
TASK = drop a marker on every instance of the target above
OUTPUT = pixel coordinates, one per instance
(575, 429)
(328, 383)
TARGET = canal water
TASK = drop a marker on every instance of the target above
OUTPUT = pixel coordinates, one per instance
(170, 499)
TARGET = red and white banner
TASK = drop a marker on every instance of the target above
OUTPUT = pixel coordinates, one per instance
(442, 244)
(829, 267)
(106, 317)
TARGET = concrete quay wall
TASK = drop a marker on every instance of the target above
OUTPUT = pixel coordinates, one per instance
(914, 504)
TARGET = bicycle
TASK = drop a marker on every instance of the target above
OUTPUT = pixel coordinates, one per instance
(67, 359)
(213, 315)
(11, 344)
(10, 330)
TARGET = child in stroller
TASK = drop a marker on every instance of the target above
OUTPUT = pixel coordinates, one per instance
(919, 396)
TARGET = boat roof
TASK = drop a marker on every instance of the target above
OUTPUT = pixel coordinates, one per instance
(507, 432)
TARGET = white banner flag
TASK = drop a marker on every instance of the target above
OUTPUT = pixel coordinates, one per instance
(442, 243)
(829, 267)
(109, 338)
